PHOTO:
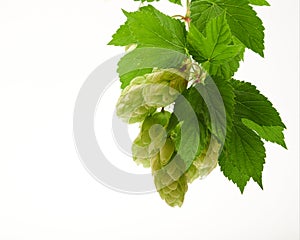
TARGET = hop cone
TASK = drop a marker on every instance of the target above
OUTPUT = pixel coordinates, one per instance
(131, 106)
(146, 93)
(151, 138)
(205, 162)
(169, 179)
(163, 87)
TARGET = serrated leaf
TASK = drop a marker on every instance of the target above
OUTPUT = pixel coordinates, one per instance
(123, 36)
(160, 39)
(242, 19)
(202, 107)
(254, 118)
(176, 2)
(252, 105)
(259, 2)
(152, 28)
(215, 50)
(215, 100)
(216, 44)
(232, 172)
(243, 156)
(172, 1)
(227, 69)
(270, 133)
(141, 60)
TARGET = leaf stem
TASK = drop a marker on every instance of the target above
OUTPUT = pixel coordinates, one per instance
(188, 6)
(188, 12)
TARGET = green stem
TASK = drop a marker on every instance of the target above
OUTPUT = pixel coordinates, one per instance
(188, 11)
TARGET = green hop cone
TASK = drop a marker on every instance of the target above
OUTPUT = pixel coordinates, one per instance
(151, 138)
(164, 86)
(131, 106)
(168, 173)
(205, 162)
(140, 152)
(146, 93)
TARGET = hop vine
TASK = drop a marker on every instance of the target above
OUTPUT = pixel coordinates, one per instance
(177, 81)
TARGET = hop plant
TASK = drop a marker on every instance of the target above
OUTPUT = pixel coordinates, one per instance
(194, 58)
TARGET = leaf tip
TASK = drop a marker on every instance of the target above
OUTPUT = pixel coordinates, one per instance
(241, 187)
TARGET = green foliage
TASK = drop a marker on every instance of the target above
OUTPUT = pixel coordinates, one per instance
(216, 47)
(148, 27)
(172, 1)
(188, 66)
(251, 104)
(270, 133)
(242, 20)
(259, 2)
(243, 155)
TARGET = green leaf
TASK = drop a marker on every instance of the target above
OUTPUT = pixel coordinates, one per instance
(189, 131)
(141, 60)
(123, 36)
(232, 172)
(215, 50)
(151, 28)
(127, 77)
(216, 44)
(176, 2)
(215, 101)
(242, 20)
(270, 133)
(252, 105)
(227, 69)
(200, 108)
(196, 106)
(259, 2)
(161, 43)
(243, 156)
(172, 1)
(254, 118)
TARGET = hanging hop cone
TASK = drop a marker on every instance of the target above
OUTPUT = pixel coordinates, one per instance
(205, 162)
(151, 138)
(168, 172)
(146, 93)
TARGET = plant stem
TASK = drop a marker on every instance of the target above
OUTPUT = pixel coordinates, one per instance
(188, 11)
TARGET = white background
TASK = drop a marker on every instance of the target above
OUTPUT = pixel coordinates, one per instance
(47, 50)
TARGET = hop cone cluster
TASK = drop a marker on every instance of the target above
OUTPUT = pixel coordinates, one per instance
(146, 93)
(153, 148)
